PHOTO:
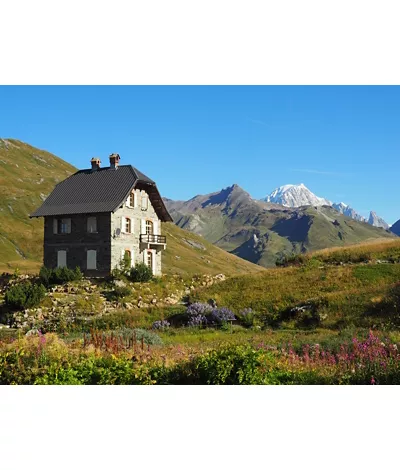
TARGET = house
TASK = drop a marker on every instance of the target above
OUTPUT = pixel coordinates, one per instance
(96, 217)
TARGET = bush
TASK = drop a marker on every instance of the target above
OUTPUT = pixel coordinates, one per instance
(25, 295)
(140, 273)
(50, 277)
(118, 293)
(161, 325)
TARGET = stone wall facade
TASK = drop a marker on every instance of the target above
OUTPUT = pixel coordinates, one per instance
(121, 241)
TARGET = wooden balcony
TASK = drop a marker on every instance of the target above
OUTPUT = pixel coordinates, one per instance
(151, 239)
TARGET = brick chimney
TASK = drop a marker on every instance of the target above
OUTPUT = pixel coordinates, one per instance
(95, 163)
(114, 160)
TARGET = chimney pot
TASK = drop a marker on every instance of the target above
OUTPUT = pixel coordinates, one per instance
(114, 160)
(95, 163)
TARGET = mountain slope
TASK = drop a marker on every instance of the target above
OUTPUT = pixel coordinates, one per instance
(348, 211)
(262, 232)
(28, 175)
(395, 228)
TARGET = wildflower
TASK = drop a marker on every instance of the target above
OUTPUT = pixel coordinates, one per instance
(395, 347)
(372, 381)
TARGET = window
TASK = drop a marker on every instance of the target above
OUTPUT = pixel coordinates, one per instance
(149, 227)
(132, 199)
(92, 224)
(128, 258)
(144, 203)
(128, 225)
(91, 259)
(62, 226)
(61, 259)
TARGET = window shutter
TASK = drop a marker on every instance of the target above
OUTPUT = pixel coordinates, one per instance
(143, 229)
(127, 201)
(123, 224)
(132, 258)
(132, 225)
(68, 225)
(155, 227)
(55, 224)
(134, 199)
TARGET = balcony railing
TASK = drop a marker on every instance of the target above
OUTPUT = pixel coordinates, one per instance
(150, 238)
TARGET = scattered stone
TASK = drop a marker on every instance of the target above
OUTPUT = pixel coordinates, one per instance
(119, 283)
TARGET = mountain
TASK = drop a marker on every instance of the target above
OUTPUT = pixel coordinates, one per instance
(348, 211)
(299, 195)
(292, 195)
(395, 228)
(28, 175)
(263, 232)
(377, 221)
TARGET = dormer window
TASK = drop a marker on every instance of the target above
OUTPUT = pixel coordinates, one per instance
(145, 202)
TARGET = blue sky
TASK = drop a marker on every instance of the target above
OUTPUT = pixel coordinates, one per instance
(342, 142)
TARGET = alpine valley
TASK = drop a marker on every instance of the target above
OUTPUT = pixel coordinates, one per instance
(291, 220)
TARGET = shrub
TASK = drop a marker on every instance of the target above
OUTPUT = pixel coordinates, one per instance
(140, 273)
(119, 292)
(220, 316)
(25, 295)
(50, 277)
(161, 325)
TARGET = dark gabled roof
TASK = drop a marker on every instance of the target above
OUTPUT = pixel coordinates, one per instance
(102, 190)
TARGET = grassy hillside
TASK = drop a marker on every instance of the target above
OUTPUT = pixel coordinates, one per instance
(264, 233)
(188, 254)
(27, 176)
(356, 286)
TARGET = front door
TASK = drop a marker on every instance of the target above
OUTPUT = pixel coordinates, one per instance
(150, 259)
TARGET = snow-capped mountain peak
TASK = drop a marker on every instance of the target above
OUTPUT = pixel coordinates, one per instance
(377, 221)
(292, 195)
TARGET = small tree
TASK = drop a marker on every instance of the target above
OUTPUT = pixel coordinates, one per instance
(25, 295)
(141, 273)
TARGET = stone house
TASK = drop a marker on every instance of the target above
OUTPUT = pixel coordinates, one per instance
(99, 216)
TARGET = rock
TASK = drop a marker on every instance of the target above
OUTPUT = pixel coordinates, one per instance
(220, 277)
(154, 301)
(32, 332)
(119, 283)
(128, 305)
(212, 302)
(171, 301)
